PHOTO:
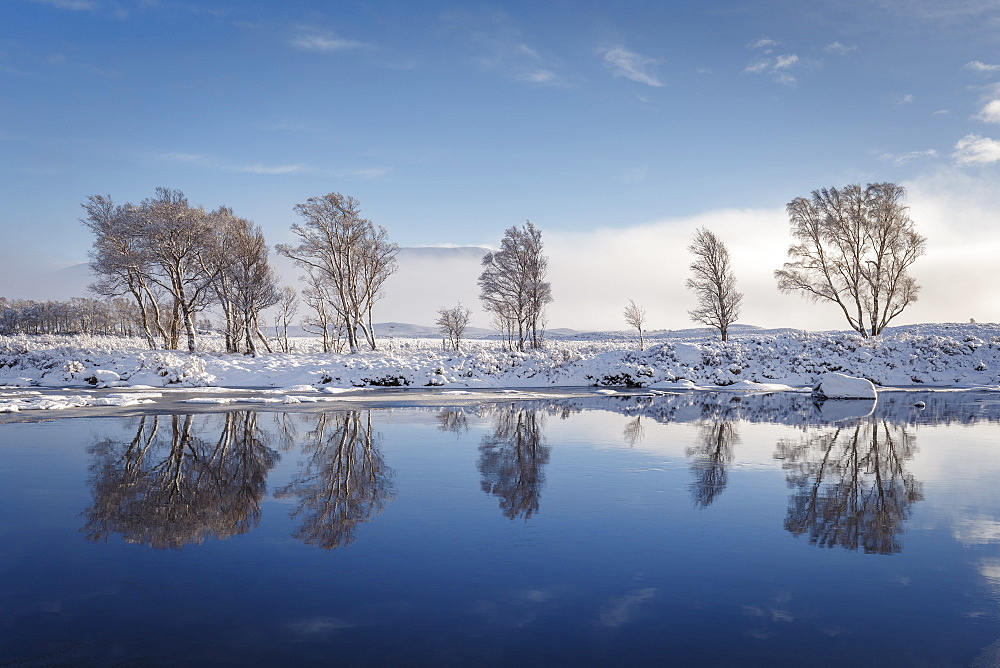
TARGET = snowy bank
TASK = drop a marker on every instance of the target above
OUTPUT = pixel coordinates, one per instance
(944, 356)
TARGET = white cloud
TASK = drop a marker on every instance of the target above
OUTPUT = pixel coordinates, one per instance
(539, 76)
(590, 292)
(211, 163)
(954, 208)
(980, 66)
(763, 44)
(903, 158)
(940, 112)
(519, 62)
(778, 68)
(990, 113)
(785, 62)
(525, 50)
(631, 65)
(973, 149)
(272, 169)
(839, 49)
(75, 5)
(324, 42)
(368, 172)
(904, 99)
(184, 157)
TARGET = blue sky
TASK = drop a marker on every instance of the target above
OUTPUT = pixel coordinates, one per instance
(451, 121)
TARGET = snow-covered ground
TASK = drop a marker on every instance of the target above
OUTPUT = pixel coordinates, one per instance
(926, 356)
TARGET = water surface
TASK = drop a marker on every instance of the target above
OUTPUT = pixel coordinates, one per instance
(690, 528)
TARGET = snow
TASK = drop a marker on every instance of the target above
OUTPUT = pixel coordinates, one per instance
(105, 377)
(753, 360)
(687, 353)
(841, 386)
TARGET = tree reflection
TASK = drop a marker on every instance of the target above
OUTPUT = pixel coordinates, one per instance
(850, 486)
(634, 431)
(345, 481)
(455, 421)
(711, 455)
(169, 486)
(511, 460)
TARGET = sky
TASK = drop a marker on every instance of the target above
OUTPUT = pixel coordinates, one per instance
(617, 128)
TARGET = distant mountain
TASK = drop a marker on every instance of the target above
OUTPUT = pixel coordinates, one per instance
(43, 284)
(387, 329)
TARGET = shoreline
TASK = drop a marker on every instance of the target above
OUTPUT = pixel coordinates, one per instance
(45, 404)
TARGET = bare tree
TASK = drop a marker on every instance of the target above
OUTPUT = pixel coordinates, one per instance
(250, 283)
(120, 263)
(854, 249)
(635, 316)
(288, 304)
(347, 255)
(713, 283)
(325, 321)
(452, 323)
(513, 286)
(179, 243)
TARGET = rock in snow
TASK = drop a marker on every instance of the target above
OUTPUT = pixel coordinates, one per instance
(840, 386)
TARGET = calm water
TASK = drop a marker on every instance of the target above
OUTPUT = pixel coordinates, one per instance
(692, 529)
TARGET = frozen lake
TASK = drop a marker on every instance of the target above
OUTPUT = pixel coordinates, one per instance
(692, 528)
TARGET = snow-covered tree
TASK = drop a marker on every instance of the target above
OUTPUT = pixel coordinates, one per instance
(181, 249)
(288, 304)
(713, 283)
(347, 255)
(513, 288)
(120, 264)
(250, 284)
(635, 316)
(854, 248)
(452, 323)
(176, 260)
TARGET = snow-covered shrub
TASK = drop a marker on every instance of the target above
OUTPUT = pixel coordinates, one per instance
(72, 369)
(177, 369)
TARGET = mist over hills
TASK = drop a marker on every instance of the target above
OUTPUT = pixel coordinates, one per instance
(428, 278)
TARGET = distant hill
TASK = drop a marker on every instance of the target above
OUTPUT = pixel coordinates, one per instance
(43, 284)
(387, 329)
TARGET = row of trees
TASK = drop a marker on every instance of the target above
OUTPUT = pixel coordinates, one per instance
(854, 247)
(79, 315)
